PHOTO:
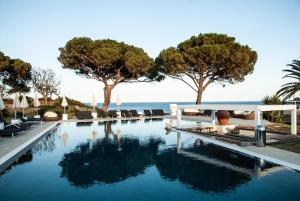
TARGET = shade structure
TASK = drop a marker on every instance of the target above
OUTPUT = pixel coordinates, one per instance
(24, 104)
(94, 102)
(36, 102)
(2, 106)
(118, 102)
(16, 103)
(64, 103)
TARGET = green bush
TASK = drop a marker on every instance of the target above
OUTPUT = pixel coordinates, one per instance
(274, 116)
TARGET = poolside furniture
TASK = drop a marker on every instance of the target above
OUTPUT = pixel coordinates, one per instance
(84, 115)
(207, 112)
(147, 113)
(18, 125)
(101, 114)
(112, 113)
(50, 116)
(126, 113)
(158, 112)
(134, 113)
(11, 130)
(31, 120)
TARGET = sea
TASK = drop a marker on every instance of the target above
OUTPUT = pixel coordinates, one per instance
(141, 106)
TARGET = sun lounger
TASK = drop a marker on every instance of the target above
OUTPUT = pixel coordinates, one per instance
(134, 113)
(158, 112)
(147, 113)
(11, 130)
(101, 114)
(84, 115)
(31, 121)
(126, 113)
(112, 113)
(19, 125)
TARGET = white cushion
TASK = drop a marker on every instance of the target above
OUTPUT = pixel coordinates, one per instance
(50, 114)
(191, 110)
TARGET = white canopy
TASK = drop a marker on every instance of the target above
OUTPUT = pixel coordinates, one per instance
(2, 106)
(24, 102)
(64, 102)
(16, 101)
(94, 102)
(118, 101)
(36, 101)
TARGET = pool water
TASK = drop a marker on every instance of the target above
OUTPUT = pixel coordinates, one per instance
(137, 160)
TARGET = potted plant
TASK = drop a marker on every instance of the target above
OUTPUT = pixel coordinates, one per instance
(223, 117)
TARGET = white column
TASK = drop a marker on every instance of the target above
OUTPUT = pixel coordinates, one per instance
(213, 119)
(257, 120)
(178, 117)
(294, 122)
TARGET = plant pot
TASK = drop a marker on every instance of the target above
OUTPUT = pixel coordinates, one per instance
(223, 117)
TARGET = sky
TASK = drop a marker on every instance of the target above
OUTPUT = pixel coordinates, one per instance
(33, 30)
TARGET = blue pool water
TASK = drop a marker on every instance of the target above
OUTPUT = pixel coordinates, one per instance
(137, 160)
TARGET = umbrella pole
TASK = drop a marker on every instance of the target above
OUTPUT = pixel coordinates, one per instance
(23, 112)
(15, 113)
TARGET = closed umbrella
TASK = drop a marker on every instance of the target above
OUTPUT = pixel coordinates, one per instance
(118, 102)
(2, 106)
(36, 103)
(64, 103)
(24, 104)
(94, 102)
(16, 103)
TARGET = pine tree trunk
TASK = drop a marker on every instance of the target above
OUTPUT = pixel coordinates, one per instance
(199, 95)
(107, 95)
(46, 100)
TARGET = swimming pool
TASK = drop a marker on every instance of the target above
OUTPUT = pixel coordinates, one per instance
(137, 160)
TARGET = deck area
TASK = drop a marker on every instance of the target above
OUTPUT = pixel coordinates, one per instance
(267, 153)
(12, 147)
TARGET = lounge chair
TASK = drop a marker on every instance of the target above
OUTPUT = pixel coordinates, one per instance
(31, 120)
(158, 112)
(84, 115)
(19, 125)
(147, 113)
(207, 113)
(101, 114)
(11, 130)
(112, 113)
(134, 113)
(126, 113)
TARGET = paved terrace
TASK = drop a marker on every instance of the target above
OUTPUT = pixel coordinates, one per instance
(267, 153)
(12, 148)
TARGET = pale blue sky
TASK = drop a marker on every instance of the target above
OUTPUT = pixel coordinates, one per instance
(33, 30)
